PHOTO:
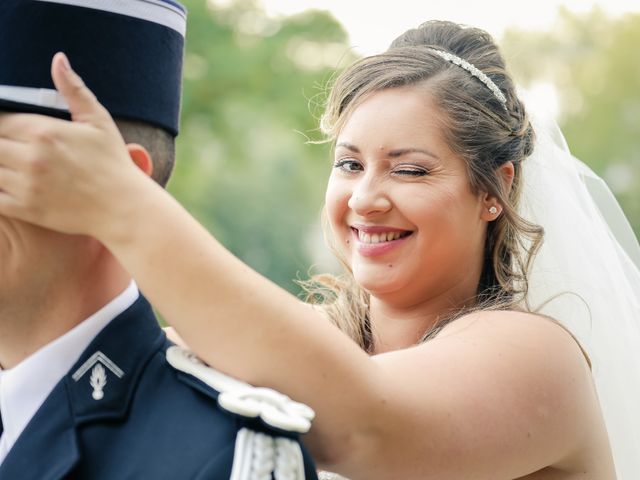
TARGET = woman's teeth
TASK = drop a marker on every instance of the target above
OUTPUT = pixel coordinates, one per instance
(380, 237)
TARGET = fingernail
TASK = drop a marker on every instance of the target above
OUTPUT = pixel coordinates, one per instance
(71, 75)
(66, 66)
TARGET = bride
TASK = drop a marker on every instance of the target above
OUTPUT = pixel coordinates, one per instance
(449, 349)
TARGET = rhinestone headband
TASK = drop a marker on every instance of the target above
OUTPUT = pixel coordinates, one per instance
(450, 57)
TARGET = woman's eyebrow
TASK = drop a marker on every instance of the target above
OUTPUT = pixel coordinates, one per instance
(348, 146)
(392, 153)
(402, 151)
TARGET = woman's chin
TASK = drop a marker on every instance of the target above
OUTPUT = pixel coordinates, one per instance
(379, 282)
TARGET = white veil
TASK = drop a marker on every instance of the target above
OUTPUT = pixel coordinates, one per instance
(587, 276)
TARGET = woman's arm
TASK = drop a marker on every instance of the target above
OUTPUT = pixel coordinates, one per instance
(490, 399)
(77, 177)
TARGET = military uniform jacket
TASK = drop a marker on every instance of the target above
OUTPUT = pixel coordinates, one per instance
(123, 413)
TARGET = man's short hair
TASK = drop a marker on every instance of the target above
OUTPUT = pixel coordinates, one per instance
(159, 143)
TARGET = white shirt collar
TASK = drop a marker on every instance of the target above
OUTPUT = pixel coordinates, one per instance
(25, 387)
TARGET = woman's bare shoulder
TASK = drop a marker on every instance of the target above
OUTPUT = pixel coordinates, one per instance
(515, 324)
(549, 360)
(524, 338)
(512, 390)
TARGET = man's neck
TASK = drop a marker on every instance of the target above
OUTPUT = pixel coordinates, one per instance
(28, 324)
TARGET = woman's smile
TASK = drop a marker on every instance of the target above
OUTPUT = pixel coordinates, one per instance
(373, 241)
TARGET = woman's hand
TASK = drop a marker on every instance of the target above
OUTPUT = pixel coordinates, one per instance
(66, 176)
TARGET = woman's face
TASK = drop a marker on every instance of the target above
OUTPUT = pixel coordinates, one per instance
(399, 202)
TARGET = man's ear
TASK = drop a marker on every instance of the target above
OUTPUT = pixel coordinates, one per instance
(491, 205)
(140, 157)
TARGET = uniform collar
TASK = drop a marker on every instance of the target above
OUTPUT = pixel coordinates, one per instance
(125, 346)
(102, 381)
(25, 387)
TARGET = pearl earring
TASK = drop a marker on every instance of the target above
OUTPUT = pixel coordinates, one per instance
(493, 210)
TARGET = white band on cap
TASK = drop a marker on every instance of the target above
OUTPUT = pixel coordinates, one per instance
(41, 97)
(156, 11)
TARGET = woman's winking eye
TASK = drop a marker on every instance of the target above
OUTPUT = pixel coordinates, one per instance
(349, 165)
(411, 170)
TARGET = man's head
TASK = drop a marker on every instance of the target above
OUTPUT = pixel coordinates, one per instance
(129, 53)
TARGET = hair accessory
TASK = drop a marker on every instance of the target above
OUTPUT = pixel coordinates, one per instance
(493, 210)
(473, 70)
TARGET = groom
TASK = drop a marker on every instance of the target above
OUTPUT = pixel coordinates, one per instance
(85, 387)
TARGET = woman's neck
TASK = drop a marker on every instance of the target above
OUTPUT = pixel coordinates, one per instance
(397, 326)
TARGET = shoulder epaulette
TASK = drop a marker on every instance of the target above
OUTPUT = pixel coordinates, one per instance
(256, 454)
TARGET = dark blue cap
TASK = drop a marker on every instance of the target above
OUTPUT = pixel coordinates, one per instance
(129, 53)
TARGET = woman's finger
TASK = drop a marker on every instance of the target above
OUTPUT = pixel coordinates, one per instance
(7, 204)
(10, 207)
(9, 181)
(83, 104)
(13, 154)
(29, 127)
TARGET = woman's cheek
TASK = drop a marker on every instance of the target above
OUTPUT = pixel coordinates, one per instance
(337, 212)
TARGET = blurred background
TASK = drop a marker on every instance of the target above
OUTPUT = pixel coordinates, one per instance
(256, 75)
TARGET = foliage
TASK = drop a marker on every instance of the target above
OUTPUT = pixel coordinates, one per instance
(253, 90)
(593, 62)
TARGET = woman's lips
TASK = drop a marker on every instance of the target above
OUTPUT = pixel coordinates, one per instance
(373, 241)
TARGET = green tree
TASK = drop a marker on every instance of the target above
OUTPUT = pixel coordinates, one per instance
(593, 62)
(252, 92)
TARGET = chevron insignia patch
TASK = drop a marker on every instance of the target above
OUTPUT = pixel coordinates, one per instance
(97, 363)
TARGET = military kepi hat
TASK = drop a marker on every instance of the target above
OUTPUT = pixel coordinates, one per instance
(129, 53)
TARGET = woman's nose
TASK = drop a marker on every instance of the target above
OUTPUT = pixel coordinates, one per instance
(368, 199)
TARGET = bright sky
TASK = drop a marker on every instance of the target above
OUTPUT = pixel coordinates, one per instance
(372, 24)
